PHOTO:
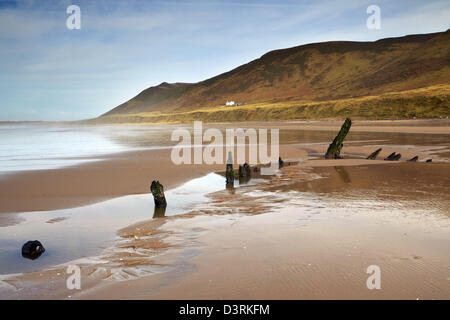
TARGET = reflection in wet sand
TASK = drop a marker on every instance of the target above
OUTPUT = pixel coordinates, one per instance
(314, 233)
(323, 225)
(426, 184)
(86, 231)
(343, 174)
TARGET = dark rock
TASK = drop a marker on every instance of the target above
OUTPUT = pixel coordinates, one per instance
(414, 159)
(157, 190)
(429, 160)
(32, 250)
(334, 149)
(280, 162)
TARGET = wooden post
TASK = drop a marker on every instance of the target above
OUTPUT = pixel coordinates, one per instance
(374, 154)
(389, 157)
(244, 171)
(393, 157)
(334, 149)
(159, 212)
(229, 173)
(157, 190)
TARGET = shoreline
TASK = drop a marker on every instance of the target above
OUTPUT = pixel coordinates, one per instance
(443, 124)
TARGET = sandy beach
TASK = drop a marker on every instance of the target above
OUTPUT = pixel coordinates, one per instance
(308, 233)
(130, 172)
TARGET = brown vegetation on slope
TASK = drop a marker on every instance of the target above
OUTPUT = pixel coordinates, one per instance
(314, 72)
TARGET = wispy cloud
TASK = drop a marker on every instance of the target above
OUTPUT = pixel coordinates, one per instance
(125, 46)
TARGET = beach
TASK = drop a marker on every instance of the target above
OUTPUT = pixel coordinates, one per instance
(309, 232)
(128, 172)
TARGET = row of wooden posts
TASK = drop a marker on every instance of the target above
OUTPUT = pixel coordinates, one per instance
(245, 171)
(334, 149)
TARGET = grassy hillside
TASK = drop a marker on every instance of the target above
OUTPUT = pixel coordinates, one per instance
(389, 78)
(418, 103)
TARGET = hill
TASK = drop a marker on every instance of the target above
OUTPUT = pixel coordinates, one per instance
(389, 78)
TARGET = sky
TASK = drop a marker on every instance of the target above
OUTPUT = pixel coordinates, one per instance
(51, 72)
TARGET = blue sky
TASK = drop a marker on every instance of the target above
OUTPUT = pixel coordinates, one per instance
(49, 72)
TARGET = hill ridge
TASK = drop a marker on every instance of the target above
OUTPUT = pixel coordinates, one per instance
(311, 72)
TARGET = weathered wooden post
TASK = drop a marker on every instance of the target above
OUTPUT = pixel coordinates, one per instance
(229, 173)
(374, 154)
(241, 172)
(157, 190)
(334, 149)
(389, 157)
(244, 171)
(159, 212)
(393, 157)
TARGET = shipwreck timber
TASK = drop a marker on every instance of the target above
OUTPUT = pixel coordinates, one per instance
(393, 157)
(334, 149)
(157, 190)
(374, 154)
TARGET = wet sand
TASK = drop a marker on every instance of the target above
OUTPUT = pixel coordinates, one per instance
(308, 233)
(301, 250)
(131, 172)
(117, 175)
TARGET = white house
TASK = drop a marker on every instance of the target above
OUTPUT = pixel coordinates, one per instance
(230, 103)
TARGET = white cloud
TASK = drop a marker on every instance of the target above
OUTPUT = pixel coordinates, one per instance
(124, 47)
